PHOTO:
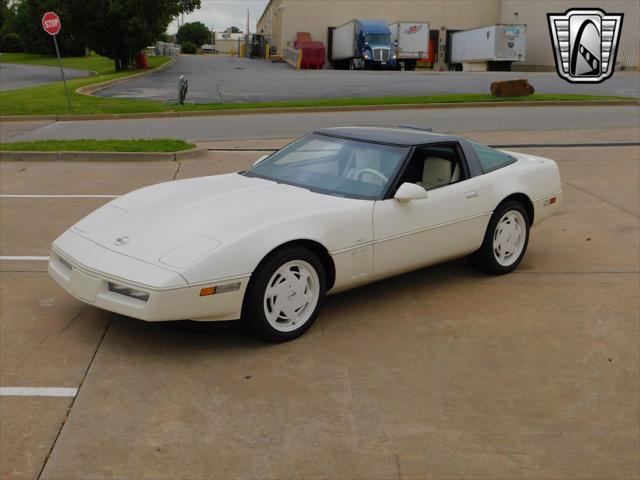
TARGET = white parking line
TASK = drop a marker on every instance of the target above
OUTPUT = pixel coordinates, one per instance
(13, 258)
(59, 196)
(37, 392)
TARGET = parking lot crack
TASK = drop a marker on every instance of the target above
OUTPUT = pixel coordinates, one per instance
(219, 92)
(75, 317)
(175, 175)
(353, 412)
(600, 198)
(68, 413)
(398, 469)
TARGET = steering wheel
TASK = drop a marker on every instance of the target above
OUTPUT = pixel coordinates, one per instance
(373, 172)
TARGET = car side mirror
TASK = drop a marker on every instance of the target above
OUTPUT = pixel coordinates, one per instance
(259, 160)
(410, 191)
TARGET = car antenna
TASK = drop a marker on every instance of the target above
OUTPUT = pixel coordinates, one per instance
(424, 129)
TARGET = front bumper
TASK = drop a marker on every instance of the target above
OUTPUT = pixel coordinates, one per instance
(75, 268)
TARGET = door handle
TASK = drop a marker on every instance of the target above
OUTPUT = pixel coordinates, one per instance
(472, 194)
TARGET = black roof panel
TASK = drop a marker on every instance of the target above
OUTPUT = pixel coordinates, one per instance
(395, 136)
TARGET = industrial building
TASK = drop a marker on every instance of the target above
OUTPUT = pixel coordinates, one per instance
(282, 19)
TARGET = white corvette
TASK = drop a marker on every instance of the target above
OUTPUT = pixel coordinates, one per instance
(338, 208)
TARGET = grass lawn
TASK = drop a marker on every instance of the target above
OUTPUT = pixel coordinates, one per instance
(395, 100)
(153, 145)
(50, 99)
(95, 63)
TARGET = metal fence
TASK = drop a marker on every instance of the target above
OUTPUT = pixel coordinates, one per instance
(293, 57)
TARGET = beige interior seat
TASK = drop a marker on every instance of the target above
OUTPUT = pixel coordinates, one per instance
(361, 160)
(437, 172)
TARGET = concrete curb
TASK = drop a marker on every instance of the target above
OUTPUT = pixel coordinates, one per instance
(192, 154)
(96, 87)
(338, 108)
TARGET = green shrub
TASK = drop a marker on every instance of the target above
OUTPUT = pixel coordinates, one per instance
(11, 42)
(189, 47)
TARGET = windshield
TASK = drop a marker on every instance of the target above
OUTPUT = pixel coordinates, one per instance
(377, 38)
(335, 166)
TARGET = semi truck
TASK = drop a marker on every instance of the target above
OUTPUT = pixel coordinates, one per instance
(361, 44)
(410, 41)
(494, 47)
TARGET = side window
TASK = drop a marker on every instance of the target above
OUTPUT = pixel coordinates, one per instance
(491, 159)
(434, 166)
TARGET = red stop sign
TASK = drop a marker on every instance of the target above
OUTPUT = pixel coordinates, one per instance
(51, 23)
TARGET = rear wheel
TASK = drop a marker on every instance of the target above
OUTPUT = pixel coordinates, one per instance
(285, 294)
(505, 241)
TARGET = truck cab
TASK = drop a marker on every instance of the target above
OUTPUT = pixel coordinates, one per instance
(373, 45)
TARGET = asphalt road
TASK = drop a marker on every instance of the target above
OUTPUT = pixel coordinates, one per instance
(440, 373)
(215, 79)
(14, 76)
(296, 124)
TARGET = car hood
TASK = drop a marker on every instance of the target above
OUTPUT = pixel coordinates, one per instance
(175, 223)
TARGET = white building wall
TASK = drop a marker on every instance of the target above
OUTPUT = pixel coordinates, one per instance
(287, 17)
(539, 46)
(283, 18)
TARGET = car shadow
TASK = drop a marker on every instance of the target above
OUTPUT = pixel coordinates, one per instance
(233, 335)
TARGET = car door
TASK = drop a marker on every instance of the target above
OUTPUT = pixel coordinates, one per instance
(449, 223)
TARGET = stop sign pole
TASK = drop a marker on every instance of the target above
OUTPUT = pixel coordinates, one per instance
(51, 24)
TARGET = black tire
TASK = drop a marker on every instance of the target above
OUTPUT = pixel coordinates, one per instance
(484, 259)
(253, 309)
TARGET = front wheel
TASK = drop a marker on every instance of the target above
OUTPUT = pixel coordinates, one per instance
(505, 241)
(285, 294)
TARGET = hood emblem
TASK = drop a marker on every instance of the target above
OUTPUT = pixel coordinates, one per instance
(122, 241)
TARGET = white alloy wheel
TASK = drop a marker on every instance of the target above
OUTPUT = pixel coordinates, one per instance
(509, 238)
(291, 296)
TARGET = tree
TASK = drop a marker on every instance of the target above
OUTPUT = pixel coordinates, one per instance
(196, 33)
(119, 29)
(188, 6)
(11, 42)
(189, 47)
(5, 13)
(23, 18)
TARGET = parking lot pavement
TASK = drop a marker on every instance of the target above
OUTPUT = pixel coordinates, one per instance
(16, 76)
(47, 339)
(81, 178)
(214, 79)
(442, 372)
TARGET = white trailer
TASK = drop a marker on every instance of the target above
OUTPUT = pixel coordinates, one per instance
(343, 41)
(473, 49)
(411, 40)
